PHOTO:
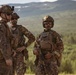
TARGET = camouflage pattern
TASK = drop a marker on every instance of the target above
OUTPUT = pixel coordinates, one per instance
(6, 67)
(19, 40)
(19, 65)
(18, 32)
(49, 66)
(6, 9)
(4, 70)
(48, 19)
(5, 48)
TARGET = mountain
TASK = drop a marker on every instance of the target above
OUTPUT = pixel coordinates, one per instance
(38, 8)
(63, 12)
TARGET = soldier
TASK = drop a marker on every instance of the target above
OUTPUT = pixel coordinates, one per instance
(48, 49)
(19, 45)
(5, 41)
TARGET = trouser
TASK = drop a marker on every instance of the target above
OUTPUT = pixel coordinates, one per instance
(4, 69)
(19, 65)
(50, 68)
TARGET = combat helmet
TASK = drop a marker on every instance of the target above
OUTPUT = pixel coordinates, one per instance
(15, 16)
(7, 9)
(48, 19)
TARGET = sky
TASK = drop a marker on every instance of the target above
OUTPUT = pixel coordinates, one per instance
(23, 1)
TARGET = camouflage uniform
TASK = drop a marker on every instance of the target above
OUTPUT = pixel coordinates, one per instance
(5, 41)
(49, 66)
(18, 32)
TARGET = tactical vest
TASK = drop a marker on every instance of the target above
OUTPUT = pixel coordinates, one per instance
(18, 38)
(46, 41)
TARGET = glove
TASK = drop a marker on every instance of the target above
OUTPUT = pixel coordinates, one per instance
(13, 53)
(9, 62)
(35, 52)
(20, 49)
(48, 55)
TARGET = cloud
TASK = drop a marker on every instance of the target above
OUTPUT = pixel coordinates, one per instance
(48, 0)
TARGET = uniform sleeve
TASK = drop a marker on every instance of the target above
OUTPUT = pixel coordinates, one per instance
(29, 35)
(58, 45)
(4, 45)
(36, 45)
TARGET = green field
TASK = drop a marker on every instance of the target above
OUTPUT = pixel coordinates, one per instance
(65, 25)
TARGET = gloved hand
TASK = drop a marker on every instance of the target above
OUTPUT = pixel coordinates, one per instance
(48, 55)
(20, 49)
(35, 52)
(14, 53)
(9, 62)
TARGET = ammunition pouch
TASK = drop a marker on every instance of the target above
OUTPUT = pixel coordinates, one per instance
(46, 40)
(44, 52)
(45, 45)
(58, 59)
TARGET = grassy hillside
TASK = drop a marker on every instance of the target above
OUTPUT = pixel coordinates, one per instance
(64, 14)
(64, 22)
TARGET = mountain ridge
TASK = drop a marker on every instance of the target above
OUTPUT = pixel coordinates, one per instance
(63, 12)
(38, 8)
